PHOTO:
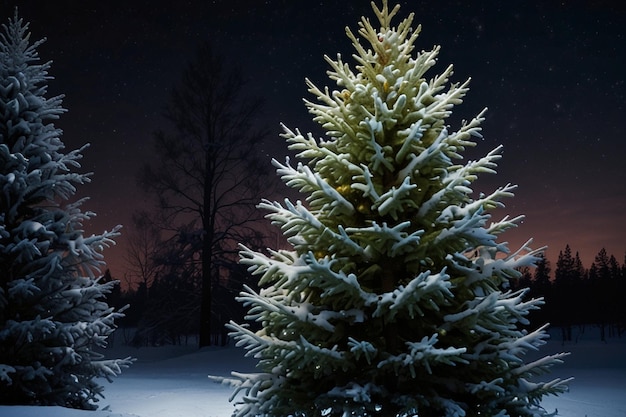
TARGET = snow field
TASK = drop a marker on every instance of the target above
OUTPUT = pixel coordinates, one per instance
(172, 381)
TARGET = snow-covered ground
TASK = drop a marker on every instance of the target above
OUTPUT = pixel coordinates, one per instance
(172, 382)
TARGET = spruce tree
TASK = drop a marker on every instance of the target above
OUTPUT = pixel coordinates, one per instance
(53, 309)
(394, 297)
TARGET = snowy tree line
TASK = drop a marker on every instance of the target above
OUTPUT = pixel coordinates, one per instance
(579, 296)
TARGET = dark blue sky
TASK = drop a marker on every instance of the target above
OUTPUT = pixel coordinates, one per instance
(550, 72)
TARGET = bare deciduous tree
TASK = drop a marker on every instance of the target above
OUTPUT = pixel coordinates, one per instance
(208, 173)
(143, 244)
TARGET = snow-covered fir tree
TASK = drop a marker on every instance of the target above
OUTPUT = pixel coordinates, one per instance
(53, 309)
(394, 299)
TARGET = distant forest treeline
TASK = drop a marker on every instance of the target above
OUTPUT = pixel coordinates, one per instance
(168, 310)
(579, 296)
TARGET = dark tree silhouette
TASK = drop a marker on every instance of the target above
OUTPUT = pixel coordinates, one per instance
(541, 276)
(542, 287)
(565, 283)
(614, 296)
(172, 311)
(621, 315)
(207, 177)
(143, 243)
(599, 282)
(578, 296)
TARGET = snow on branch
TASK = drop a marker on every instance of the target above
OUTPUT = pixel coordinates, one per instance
(396, 200)
(305, 272)
(322, 195)
(362, 181)
(363, 348)
(304, 230)
(293, 312)
(423, 354)
(5, 370)
(416, 162)
(392, 241)
(424, 291)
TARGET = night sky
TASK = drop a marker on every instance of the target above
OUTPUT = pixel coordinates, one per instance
(551, 73)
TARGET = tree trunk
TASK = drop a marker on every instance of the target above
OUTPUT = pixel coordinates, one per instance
(207, 253)
(205, 303)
